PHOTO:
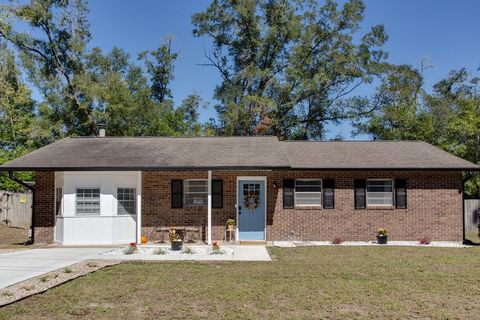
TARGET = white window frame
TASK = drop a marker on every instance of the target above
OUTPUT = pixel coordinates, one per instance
(99, 202)
(380, 205)
(134, 201)
(58, 202)
(185, 182)
(308, 205)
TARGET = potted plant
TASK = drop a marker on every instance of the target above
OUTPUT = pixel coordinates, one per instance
(382, 236)
(231, 224)
(176, 241)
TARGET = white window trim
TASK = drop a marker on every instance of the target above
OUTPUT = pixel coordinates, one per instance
(380, 205)
(185, 193)
(99, 201)
(308, 205)
(118, 202)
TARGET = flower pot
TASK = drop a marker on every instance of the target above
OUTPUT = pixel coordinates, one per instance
(176, 245)
(382, 239)
(231, 227)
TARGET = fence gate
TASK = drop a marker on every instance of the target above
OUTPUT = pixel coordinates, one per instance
(472, 207)
(16, 209)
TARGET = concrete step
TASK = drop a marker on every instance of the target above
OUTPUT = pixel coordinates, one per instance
(253, 242)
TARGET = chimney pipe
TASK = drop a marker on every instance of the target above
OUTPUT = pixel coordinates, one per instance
(101, 130)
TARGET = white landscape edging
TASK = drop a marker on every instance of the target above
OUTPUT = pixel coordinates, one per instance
(438, 244)
(200, 253)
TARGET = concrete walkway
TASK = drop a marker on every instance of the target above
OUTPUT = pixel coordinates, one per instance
(22, 265)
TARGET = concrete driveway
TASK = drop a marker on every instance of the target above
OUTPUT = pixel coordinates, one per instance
(22, 265)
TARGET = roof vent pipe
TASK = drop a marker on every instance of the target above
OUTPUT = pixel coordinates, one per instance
(101, 130)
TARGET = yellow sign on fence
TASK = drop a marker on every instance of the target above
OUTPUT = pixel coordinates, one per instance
(23, 199)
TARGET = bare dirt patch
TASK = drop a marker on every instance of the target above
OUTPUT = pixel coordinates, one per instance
(12, 238)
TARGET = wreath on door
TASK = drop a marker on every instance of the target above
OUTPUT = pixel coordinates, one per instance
(250, 201)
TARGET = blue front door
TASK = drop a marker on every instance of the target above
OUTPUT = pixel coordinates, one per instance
(251, 210)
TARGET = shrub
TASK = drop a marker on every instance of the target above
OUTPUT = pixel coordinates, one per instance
(159, 251)
(67, 270)
(424, 240)
(131, 249)
(174, 235)
(44, 279)
(92, 264)
(338, 240)
(188, 250)
(230, 222)
(7, 294)
(382, 232)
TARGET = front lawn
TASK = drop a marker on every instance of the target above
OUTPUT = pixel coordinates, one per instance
(301, 283)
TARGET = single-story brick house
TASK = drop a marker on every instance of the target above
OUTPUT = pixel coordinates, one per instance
(106, 190)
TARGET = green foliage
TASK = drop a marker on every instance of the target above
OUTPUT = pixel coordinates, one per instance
(286, 66)
(449, 117)
(19, 131)
(381, 232)
(52, 51)
(188, 250)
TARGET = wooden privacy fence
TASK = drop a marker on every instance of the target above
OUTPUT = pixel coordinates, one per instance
(16, 209)
(472, 207)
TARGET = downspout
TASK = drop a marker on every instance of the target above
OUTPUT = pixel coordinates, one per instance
(32, 189)
(464, 179)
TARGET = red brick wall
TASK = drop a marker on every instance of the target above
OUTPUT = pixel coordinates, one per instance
(44, 207)
(434, 206)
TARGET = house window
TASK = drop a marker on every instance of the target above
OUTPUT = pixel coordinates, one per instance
(126, 201)
(58, 201)
(379, 193)
(308, 193)
(87, 201)
(196, 192)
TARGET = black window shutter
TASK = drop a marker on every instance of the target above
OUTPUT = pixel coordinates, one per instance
(328, 194)
(401, 194)
(177, 193)
(360, 193)
(217, 193)
(288, 193)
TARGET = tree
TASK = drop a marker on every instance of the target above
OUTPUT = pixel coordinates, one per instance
(286, 66)
(401, 114)
(455, 105)
(18, 129)
(160, 66)
(449, 117)
(53, 54)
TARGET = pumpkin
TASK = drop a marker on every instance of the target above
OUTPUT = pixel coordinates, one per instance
(143, 239)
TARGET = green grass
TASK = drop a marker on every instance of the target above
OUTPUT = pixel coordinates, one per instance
(301, 283)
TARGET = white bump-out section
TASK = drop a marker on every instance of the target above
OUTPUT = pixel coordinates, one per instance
(106, 228)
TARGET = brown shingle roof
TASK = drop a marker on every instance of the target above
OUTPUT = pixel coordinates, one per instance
(233, 153)
(155, 153)
(372, 155)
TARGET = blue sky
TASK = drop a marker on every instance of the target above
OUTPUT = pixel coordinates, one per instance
(445, 32)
